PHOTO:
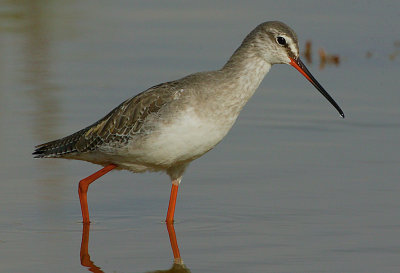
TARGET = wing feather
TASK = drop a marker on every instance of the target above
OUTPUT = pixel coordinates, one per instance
(116, 128)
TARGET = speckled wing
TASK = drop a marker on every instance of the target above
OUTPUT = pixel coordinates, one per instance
(116, 128)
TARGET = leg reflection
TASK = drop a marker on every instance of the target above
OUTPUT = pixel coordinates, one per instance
(177, 267)
(174, 243)
(85, 257)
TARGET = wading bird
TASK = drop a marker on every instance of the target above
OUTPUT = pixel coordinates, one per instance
(171, 124)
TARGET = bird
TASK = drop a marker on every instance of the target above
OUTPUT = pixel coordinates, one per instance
(167, 126)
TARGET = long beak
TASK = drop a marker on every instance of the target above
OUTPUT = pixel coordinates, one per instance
(298, 64)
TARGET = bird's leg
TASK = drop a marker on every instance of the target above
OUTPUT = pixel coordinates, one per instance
(172, 201)
(83, 188)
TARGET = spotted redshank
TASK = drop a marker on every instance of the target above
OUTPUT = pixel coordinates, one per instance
(171, 124)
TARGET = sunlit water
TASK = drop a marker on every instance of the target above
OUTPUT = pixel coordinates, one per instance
(292, 188)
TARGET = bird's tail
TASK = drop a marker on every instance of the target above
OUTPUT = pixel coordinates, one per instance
(59, 147)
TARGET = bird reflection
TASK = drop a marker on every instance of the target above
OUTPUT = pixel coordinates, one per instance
(177, 267)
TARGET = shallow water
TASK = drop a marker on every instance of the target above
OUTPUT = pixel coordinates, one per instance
(292, 188)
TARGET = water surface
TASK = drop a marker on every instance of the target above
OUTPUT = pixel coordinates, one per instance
(292, 188)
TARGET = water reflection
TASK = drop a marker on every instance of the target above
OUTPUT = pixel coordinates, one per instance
(84, 253)
(30, 25)
(37, 77)
(177, 267)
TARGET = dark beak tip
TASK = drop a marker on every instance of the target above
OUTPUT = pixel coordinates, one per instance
(298, 64)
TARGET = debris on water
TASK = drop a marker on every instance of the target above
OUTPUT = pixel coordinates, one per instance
(325, 58)
(307, 52)
(396, 52)
(394, 55)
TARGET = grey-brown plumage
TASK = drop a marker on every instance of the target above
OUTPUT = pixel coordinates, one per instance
(116, 127)
(173, 123)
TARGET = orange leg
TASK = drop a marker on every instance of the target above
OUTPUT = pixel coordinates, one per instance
(172, 202)
(83, 188)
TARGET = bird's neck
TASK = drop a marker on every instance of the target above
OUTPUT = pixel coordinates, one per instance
(244, 72)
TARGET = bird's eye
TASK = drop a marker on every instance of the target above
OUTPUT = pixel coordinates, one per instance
(281, 40)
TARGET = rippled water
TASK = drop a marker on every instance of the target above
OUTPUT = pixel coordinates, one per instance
(292, 188)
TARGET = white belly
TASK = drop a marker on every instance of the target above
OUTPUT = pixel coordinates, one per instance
(186, 138)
